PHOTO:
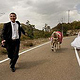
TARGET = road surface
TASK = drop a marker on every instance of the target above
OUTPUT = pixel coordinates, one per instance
(43, 64)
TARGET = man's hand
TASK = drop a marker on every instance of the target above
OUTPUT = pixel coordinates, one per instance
(3, 41)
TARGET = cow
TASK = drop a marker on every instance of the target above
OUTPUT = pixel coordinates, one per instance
(56, 40)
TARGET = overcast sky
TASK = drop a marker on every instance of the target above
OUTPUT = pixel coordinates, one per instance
(39, 12)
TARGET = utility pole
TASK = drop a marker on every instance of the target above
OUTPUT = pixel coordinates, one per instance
(68, 15)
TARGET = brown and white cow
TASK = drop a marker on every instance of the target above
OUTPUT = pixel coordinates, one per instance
(56, 40)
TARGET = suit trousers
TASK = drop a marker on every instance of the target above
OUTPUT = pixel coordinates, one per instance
(13, 51)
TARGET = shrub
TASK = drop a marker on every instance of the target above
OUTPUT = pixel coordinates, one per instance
(27, 44)
(3, 51)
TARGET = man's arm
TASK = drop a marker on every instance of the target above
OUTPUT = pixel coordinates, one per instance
(22, 30)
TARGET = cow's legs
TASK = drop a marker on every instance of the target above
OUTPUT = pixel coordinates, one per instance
(54, 47)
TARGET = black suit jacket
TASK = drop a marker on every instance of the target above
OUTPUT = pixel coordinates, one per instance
(7, 31)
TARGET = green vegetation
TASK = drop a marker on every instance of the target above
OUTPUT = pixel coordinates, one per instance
(32, 32)
(67, 26)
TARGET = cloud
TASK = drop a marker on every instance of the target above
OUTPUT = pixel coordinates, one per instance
(39, 12)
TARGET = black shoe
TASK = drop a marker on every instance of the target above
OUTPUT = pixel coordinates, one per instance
(13, 69)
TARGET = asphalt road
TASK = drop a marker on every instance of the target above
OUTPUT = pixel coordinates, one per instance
(43, 64)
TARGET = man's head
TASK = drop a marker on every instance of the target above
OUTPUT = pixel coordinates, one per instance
(13, 17)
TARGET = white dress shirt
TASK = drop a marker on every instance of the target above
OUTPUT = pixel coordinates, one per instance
(15, 34)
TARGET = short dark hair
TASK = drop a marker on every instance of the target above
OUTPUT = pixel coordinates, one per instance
(13, 13)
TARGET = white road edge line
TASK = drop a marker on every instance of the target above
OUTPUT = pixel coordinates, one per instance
(29, 50)
(77, 56)
(26, 51)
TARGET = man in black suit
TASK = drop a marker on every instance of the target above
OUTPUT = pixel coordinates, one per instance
(11, 34)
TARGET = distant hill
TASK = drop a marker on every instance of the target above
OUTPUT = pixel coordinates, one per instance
(33, 33)
(67, 26)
